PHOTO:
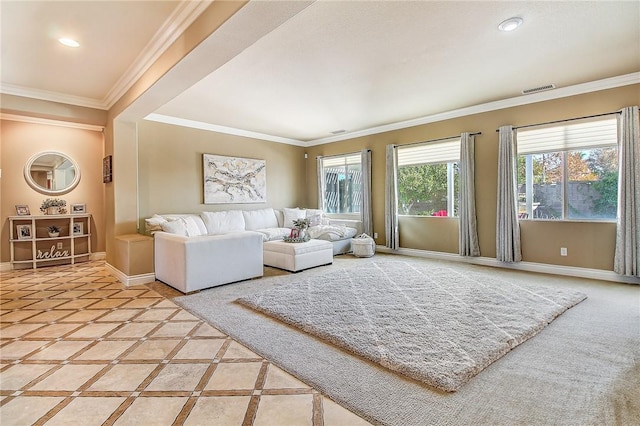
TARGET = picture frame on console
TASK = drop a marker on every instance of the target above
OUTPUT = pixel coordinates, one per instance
(24, 232)
(78, 228)
(78, 208)
(22, 210)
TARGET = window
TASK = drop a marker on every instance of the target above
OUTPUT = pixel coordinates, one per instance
(428, 178)
(569, 171)
(342, 183)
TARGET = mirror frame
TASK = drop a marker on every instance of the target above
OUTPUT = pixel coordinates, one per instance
(35, 186)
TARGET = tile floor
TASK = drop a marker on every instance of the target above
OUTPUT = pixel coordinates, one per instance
(78, 347)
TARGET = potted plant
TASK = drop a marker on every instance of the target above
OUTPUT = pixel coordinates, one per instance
(54, 231)
(53, 206)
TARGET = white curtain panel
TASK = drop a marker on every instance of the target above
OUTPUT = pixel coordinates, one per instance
(627, 256)
(320, 183)
(366, 213)
(468, 234)
(507, 228)
(391, 199)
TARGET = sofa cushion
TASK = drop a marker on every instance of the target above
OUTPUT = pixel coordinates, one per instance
(260, 219)
(332, 232)
(274, 234)
(154, 224)
(292, 214)
(176, 227)
(223, 222)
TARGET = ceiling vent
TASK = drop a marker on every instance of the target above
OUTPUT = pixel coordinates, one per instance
(538, 89)
(337, 132)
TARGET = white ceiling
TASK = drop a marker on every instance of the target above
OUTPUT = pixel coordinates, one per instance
(302, 70)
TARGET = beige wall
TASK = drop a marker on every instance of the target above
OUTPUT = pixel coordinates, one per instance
(19, 141)
(170, 169)
(590, 245)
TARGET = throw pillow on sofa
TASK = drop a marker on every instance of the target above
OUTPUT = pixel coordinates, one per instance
(293, 214)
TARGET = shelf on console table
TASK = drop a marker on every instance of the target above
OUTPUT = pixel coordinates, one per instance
(37, 247)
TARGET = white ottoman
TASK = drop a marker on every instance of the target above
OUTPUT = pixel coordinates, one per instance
(297, 256)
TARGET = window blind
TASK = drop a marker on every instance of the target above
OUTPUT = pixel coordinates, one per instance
(566, 137)
(341, 161)
(429, 153)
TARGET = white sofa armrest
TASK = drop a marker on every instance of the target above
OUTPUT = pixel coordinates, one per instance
(193, 263)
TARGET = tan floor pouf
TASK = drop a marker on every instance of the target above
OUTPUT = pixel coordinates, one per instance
(297, 256)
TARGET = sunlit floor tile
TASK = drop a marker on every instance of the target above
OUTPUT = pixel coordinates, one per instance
(26, 410)
(68, 377)
(280, 379)
(175, 329)
(106, 350)
(284, 410)
(236, 350)
(178, 377)
(223, 410)
(17, 376)
(234, 376)
(200, 349)
(165, 410)
(85, 411)
(123, 377)
(153, 349)
(20, 349)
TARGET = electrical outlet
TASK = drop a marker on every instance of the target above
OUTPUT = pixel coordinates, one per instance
(375, 235)
(563, 251)
(59, 246)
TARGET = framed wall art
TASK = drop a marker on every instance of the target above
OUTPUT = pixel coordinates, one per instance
(106, 169)
(234, 180)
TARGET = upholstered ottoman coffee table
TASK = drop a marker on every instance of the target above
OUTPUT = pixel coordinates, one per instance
(295, 257)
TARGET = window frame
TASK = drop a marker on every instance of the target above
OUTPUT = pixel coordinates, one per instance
(564, 167)
(451, 195)
(346, 158)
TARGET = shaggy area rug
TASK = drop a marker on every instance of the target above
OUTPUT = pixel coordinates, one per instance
(438, 325)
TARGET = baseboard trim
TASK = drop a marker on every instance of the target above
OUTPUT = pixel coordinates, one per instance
(130, 280)
(543, 268)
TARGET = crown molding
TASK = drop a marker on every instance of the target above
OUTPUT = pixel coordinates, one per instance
(181, 18)
(221, 129)
(45, 95)
(50, 122)
(562, 92)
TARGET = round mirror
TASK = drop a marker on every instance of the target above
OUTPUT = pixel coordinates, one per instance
(52, 173)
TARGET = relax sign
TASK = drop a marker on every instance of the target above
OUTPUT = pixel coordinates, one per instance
(52, 254)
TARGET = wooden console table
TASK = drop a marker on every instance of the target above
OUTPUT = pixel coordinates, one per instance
(32, 246)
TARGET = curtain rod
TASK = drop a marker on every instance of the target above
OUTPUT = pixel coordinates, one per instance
(437, 140)
(568, 119)
(341, 155)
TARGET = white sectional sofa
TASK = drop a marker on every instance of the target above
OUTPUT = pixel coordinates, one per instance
(193, 252)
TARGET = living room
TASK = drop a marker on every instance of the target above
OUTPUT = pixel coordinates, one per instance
(157, 168)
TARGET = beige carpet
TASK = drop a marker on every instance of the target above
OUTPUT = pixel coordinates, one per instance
(581, 370)
(432, 323)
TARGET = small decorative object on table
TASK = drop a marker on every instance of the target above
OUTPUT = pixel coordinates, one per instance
(78, 228)
(78, 208)
(298, 234)
(24, 232)
(22, 210)
(53, 206)
(54, 231)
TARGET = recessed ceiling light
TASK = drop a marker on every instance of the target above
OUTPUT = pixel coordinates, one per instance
(510, 24)
(69, 42)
